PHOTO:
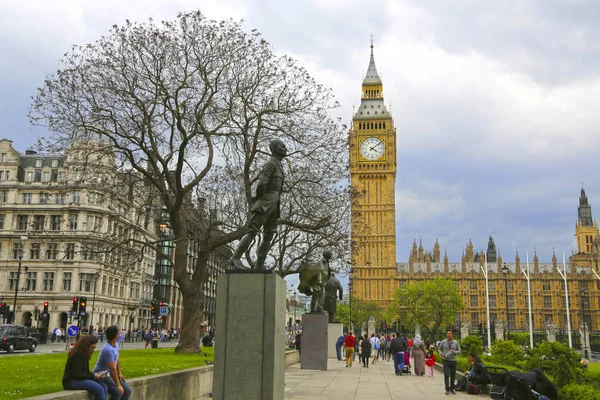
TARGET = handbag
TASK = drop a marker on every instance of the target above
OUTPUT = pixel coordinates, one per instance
(497, 392)
(472, 388)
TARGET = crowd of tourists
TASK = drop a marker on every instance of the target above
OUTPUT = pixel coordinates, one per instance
(401, 349)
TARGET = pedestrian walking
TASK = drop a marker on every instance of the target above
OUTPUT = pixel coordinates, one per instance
(430, 362)
(419, 355)
(398, 348)
(449, 349)
(349, 344)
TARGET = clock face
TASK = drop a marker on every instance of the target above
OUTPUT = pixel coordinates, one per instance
(372, 148)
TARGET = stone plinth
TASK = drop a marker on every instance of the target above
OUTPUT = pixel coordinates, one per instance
(334, 331)
(250, 346)
(314, 342)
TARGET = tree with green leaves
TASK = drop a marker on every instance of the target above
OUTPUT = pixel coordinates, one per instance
(432, 305)
(361, 311)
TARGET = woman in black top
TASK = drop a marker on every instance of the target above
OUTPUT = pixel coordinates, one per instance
(365, 351)
(77, 370)
(543, 386)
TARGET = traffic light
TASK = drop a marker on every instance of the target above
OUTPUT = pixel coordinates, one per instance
(45, 307)
(387, 327)
(2, 309)
(157, 310)
(153, 308)
(82, 305)
(75, 306)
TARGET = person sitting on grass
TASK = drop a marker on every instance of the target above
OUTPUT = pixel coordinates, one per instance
(77, 374)
(543, 387)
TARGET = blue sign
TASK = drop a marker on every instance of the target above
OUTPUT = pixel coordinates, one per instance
(72, 330)
(164, 310)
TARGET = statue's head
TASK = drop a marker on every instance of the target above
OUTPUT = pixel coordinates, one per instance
(278, 148)
(327, 255)
(333, 274)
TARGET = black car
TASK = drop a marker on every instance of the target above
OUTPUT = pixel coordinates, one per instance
(16, 337)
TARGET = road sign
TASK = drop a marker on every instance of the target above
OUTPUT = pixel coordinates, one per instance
(72, 331)
(164, 311)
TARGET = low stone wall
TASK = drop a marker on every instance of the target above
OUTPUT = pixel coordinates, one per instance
(187, 384)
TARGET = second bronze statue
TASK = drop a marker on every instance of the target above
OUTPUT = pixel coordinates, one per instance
(264, 211)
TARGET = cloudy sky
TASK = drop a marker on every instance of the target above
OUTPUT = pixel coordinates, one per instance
(495, 102)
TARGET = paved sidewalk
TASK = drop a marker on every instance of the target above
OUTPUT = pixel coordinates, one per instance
(378, 382)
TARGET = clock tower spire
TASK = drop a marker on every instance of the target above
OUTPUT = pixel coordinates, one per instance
(373, 178)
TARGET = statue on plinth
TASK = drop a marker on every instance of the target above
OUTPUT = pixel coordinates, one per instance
(332, 287)
(264, 210)
(313, 277)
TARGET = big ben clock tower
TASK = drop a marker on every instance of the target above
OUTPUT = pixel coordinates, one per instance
(373, 178)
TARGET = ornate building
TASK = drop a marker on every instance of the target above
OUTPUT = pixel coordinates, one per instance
(375, 274)
(372, 141)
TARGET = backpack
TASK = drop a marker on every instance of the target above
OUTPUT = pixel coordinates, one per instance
(472, 388)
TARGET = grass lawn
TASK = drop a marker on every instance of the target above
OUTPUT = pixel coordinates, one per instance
(36, 374)
(594, 367)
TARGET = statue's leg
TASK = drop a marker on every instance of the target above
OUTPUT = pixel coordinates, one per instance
(263, 249)
(242, 246)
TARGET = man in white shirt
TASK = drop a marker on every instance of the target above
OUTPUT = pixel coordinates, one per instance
(374, 347)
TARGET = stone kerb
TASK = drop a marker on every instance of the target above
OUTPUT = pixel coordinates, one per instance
(193, 383)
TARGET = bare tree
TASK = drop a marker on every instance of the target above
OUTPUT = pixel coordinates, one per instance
(189, 106)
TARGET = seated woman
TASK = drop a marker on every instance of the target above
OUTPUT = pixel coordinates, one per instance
(543, 387)
(478, 374)
(77, 374)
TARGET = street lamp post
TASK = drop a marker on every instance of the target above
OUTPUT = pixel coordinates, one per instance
(583, 340)
(505, 271)
(563, 274)
(295, 307)
(96, 276)
(487, 302)
(526, 273)
(14, 314)
(350, 296)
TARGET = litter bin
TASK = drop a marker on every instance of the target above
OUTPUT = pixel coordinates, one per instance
(155, 342)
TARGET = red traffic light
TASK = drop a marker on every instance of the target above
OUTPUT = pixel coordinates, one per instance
(45, 304)
(388, 326)
(161, 304)
(75, 299)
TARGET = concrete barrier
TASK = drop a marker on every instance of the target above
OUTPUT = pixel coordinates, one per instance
(187, 384)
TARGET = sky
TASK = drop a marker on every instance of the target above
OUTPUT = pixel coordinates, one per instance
(494, 102)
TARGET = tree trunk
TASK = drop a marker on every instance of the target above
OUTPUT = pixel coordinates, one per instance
(192, 318)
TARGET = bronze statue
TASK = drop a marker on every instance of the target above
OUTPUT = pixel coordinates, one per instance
(264, 210)
(332, 287)
(312, 281)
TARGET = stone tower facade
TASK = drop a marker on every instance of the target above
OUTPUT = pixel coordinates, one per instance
(372, 140)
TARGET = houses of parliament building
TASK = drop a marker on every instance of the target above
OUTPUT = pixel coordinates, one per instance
(375, 274)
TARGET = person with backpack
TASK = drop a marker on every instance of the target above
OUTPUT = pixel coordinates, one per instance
(398, 347)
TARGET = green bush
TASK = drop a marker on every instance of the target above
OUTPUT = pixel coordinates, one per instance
(593, 378)
(574, 391)
(559, 362)
(507, 353)
(471, 343)
(520, 338)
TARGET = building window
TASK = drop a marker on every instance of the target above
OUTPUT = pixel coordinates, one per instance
(511, 286)
(52, 251)
(2, 221)
(94, 223)
(493, 300)
(546, 285)
(512, 322)
(73, 221)
(48, 281)
(583, 285)
(85, 282)
(55, 222)
(29, 176)
(45, 198)
(492, 285)
(22, 222)
(4, 196)
(62, 176)
(39, 222)
(7, 175)
(76, 197)
(70, 251)
(38, 163)
(474, 302)
(34, 251)
(30, 281)
(66, 286)
(46, 177)
(473, 285)
(547, 302)
(27, 197)
(3, 157)
(474, 319)
(60, 198)
(92, 198)
(12, 281)
(54, 162)
(511, 300)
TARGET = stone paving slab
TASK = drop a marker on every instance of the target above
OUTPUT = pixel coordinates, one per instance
(378, 382)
